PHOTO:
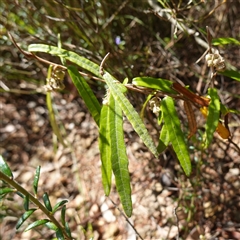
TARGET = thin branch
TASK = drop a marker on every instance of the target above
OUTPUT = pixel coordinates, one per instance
(125, 218)
(31, 55)
(177, 221)
(102, 64)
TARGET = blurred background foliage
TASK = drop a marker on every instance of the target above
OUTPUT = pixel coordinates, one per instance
(140, 42)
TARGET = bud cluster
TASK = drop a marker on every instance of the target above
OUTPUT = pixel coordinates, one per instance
(56, 81)
(215, 60)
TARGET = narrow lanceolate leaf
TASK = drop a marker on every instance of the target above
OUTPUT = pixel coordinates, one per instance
(212, 117)
(68, 55)
(176, 136)
(154, 83)
(59, 235)
(26, 202)
(224, 41)
(36, 224)
(232, 74)
(58, 205)
(68, 230)
(47, 202)
(130, 113)
(105, 149)
(24, 217)
(36, 179)
(51, 226)
(86, 93)
(191, 118)
(4, 191)
(63, 214)
(4, 168)
(119, 156)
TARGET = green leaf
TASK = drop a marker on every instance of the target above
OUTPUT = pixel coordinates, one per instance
(4, 191)
(175, 133)
(224, 41)
(63, 213)
(24, 217)
(232, 74)
(58, 205)
(68, 230)
(68, 55)
(86, 93)
(154, 83)
(4, 168)
(59, 235)
(119, 156)
(36, 179)
(51, 226)
(20, 194)
(26, 202)
(36, 224)
(52, 119)
(105, 149)
(163, 139)
(47, 202)
(130, 113)
(212, 117)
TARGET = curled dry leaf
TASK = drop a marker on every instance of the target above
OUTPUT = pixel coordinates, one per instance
(191, 118)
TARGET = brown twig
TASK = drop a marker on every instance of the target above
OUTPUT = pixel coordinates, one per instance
(102, 63)
(31, 55)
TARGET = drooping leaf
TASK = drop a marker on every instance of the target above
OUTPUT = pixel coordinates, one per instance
(24, 217)
(47, 202)
(212, 117)
(154, 83)
(130, 113)
(86, 93)
(36, 224)
(4, 168)
(176, 136)
(119, 156)
(68, 55)
(105, 149)
(36, 179)
(58, 205)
